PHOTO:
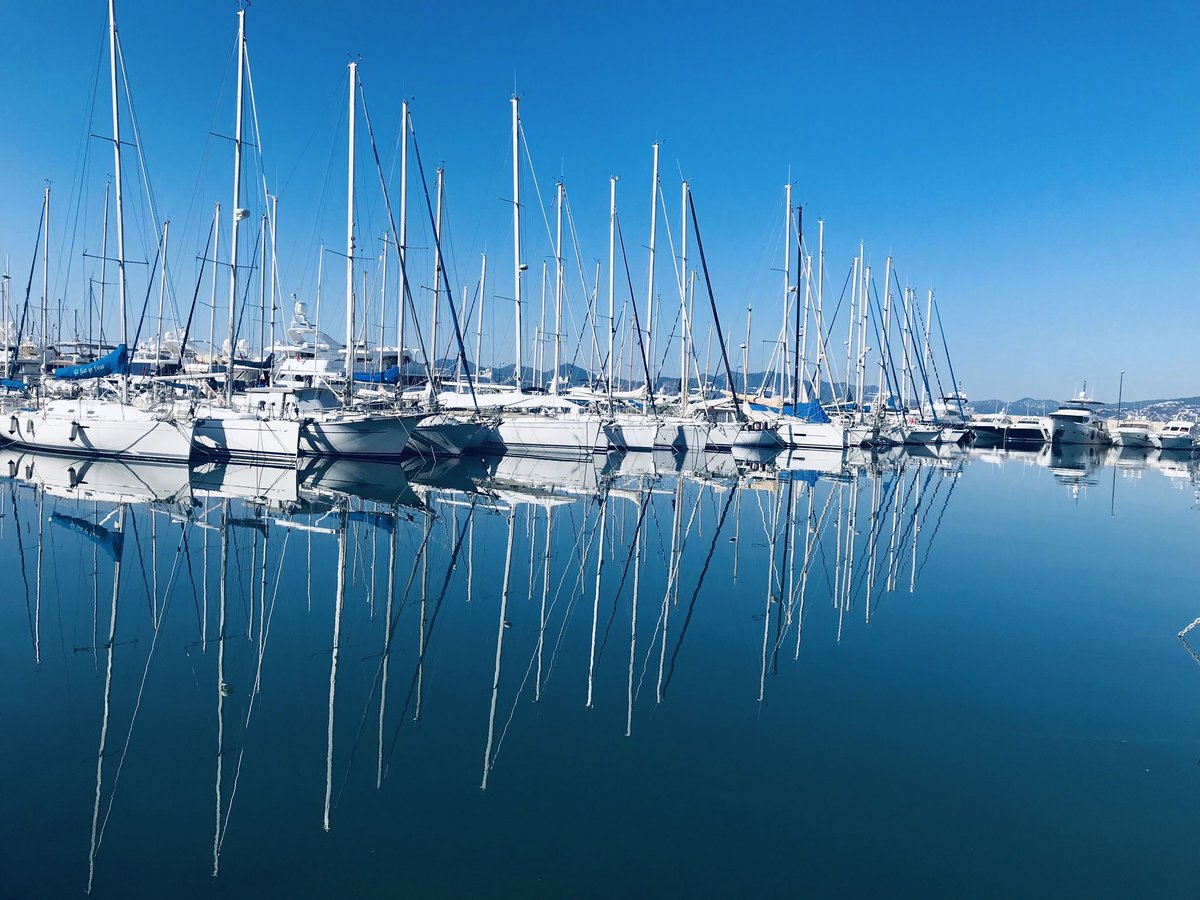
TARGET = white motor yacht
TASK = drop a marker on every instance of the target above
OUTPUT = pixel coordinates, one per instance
(1136, 433)
(1179, 434)
(1076, 422)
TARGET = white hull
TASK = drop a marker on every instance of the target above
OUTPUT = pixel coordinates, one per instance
(1068, 431)
(646, 433)
(444, 436)
(1177, 443)
(230, 434)
(361, 435)
(1139, 439)
(794, 433)
(89, 427)
(693, 434)
(922, 434)
(534, 435)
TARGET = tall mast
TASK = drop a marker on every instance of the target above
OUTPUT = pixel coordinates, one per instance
(274, 265)
(517, 266)
(612, 259)
(437, 270)
(685, 321)
(925, 354)
(558, 293)
(853, 324)
(112, 54)
(402, 237)
(864, 311)
(479, 323)
(653, 234)
(350, 238)
(212, 297)
(787, 278)
(238, 214)
(46, 279)
(262, 286)
(820, 307)
(884, 349)
(103, 262)
(162, 296)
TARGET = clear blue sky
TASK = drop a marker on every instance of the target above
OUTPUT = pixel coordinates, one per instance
(1036, 163)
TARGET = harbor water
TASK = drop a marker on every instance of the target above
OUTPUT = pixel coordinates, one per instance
(636, 675)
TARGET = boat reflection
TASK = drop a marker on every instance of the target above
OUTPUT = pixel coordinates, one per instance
(585, 581)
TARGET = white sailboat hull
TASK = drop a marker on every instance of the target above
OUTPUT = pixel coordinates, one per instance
(238, 436)
(795, 433)
(536, 435)
(90, 427)
(444, 436)
(646, 433)
(360, 435)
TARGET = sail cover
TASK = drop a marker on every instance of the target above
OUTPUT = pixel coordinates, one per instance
(390, 375)
(114, 363)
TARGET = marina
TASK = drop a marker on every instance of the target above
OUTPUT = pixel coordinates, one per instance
(430, 465)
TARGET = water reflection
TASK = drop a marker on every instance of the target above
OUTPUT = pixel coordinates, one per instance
(586, 583)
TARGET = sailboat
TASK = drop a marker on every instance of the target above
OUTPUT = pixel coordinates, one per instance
(103, 425)
(538, 424)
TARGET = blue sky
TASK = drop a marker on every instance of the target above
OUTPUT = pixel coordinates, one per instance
(1036, 163)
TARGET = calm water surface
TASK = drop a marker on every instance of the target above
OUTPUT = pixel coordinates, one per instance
(895, 676)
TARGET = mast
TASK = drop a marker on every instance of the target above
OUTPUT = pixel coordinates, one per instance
(518, 267)
(350, 241)
(103, 261)
(262, 286)
(162, 295)
(558, 291)
(853, 323)
(402, 236)
(479, 323)
(650, 288)
(820, 309)
(925, 356)
(685, 328)
(864, 310)
(787, 284)
(612, 286)
(437, 269)
(274, 266)
(212, 297)
(238, 213)
(46, 279)
(801, 336)
(884, 350)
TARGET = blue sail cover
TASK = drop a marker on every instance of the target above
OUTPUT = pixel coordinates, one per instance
(111, 541)
(390, 375)
(10, 384)
(809, 412)
(116, 363)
